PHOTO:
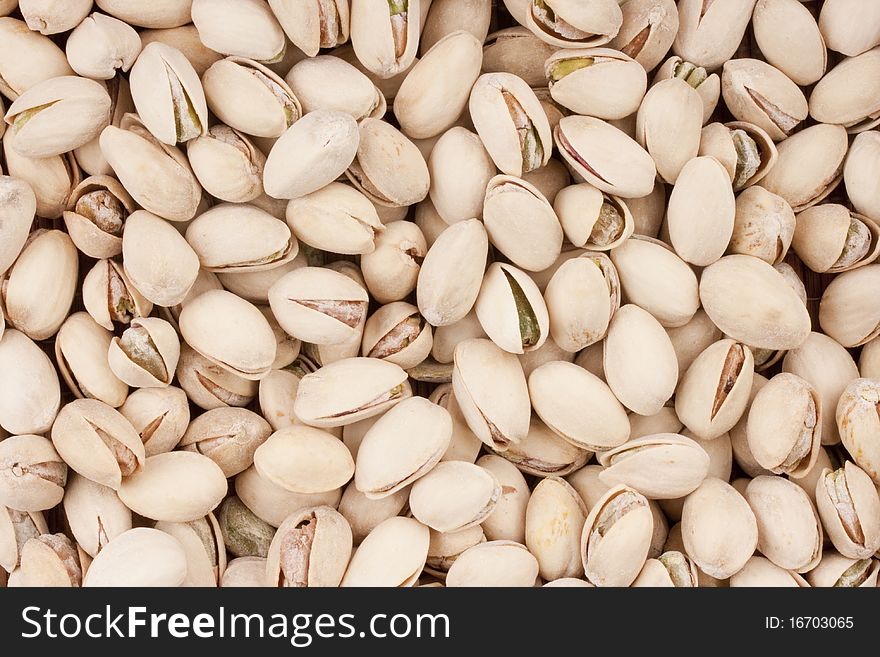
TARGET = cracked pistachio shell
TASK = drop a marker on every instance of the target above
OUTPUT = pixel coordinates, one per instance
(701, 212)
(435, 91)
(246, 28)
(402, 446)
(40, 286)
(81, 353)
(272, 503)
(94, 513)
(659, 466)
(761, 572)
(311, 548)
(510, 121)
(319, 305)
(16, 529)
(790, 39)
(494, 563)
(554, 521)
(146, 354)
(159, 415)
(750, 301)
(388, 169)
(174, 487)
(170, 189)
(670, 569)
(336, 218)
(249, 97)
(573, 24)
(763, 226)
(202, 542)
(460, 170)
(348, 390)
(32, 474)
(848, 94)
(101, 45)
(168, 94)
(708, 85)
(18, 206)
(668, 126)
(244, 572)
(252, 286)
(397, 333)
(229, 331)
(454, 495)
(27, 58)
(109, 295)
(244, 534)
(234, 237)
(655, 278)
(858, 420)
(48, 17)
(139, 557)
(578, 406)
(57, 115)
(30, 393)
(98, 442)
(313, 152)
(784, 427)
(648, 30)
(511, 309)
(95, 216)
(598, 82)
(835, 570)
(227, 164)
(850, 27)
(861, 170)
(849, 312)
(542, 453)
(451, 274)
(385, 35)
(789, 530)
(228, 436)
(314, 24)
(51, 179)
(165, 270)
(592, 219)
(710, 33)
(446, 547)
(639, 361)
(491, 391)
(719, 529)
(809, 167)
(508, 520)
(50, 560)
(713, 393)
(393, 554)
(521, 223)
(391, 271)
(605, 157)
(829, 238)
(616, 537)
(518, 51)
(365, 514)
(849, 507)
(353, 92)
(209, 385)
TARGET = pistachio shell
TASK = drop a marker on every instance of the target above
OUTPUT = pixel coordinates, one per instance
(518, 51)
(45, 60)
(568, 23)
(511, 310)
(101, 45)
(830, 238)
(96, 214)
(494, 563)
(848, 312)
(32, 474)
(762, 572)
(247, 28)
(648, 30)
(109, 295)
(385, 36)
(591, 219)
(789, 38)
(554, 522)
(668, 126)
(311, 548)
(30, 393)
(81, 353)
(147, 353)
(313, 25)
(17, 208)
(139, 557)
(274, 504)
(393, 554)
(847, 95)
(709, 35)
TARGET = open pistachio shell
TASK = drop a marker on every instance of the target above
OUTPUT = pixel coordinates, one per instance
(709, 34)
(311, 548)
(94, 513)
(16, 529)
(314, 24)
(511, 310)
(109, 295)
(385, 34)
(203, 544)
(32, 473)
(849, 507)
(743, 149)
(542, 453)
(397, 333)
(95, 216)
(572, 24)
(81, 353)
(591, 219)
(101, 45)
(146, 354)
(708, 85)
(830, 238)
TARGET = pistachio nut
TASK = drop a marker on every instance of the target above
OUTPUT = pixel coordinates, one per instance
(313, 25)
(32, 474)
(276, 394)
(744, 150)
(571, 24)
(835, 570)
(761, 572)
(146, 354)
(46, 17)
(707, 85)
(244, 572)
(139, 557)
(170, 190)
(228, 436)
(81, 347)
(30, 393)
(710, 33)
(203, 544)
(511, 310)
(398, 333)
(809, 167)
(210, 385)
(391, 271)
(848, 312)
(554, 521)
(177, 486)
(648, 30)
(542, 453)
(393, 554)
(95, 216)
(311, 548)
(17, 208)
(159, 415)
(847, 95)
(89, 156)
(335, 218)
(849, 507)
(460, 170)
(592, 219)
(790, 39)
(51, 179)
(94, 513)
(671, 136)
(249, 97)
(244, 534)
(507, 521)
(719, 528)
(846, 29)
(272, 503)
(16, 529)
(304, 460)
(670, 569)
(50, 560)
(454, 496)
(764, 225)
(653, 277)
(859, 172)
(227, 164)
(110, 297)
(385, 34)
(100, 46)
(831, 238)
(578, 406)
(44, 59)
(858, 421)
(246, 29)
(518, 51)
(494, 563)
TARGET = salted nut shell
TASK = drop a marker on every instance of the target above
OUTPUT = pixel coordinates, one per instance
(578, 406)
(50, 560)
(572, 24)
(848, 312)
(803, 59)
(671, 136)
(16, 529)
(57, 116)
(460, 169)
(554, 521)
(95, 216)
(227, 436)
(337, 218)
(860, 170)
(392, 555)
(139, 557)
(30, 393)
(707, 85)
(670, 569)
(416, 432)
(445, 548)
(858, 421)
(47, 18)
(271, 503)
(616, 537)
(511, 310)
(311, 548)
(51, 179)
(109, 295)
(648, 30)
(95, 514)
(349, 390)
(32, 474)
(847, 95)
(764, 225)
(146, 354)
(313, 25)
(244, 572)
(227, 164)
(491, 391)
(454, 496)
(244, 534)
(543, 453)
(81, 347)
(517, 50)
(760, 571)
(100, 46)
(397, 333)
(319, 305)
(744, 150)
(385, 35)
(830, 238)
(592, 219)
(246, 29)
(303, 459)
(17, 208)
(849, 507)
(709, 34)
(202, 542)
(841, 572)
(494, 563)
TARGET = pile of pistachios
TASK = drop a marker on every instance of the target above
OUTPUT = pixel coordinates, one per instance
(440, 293)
